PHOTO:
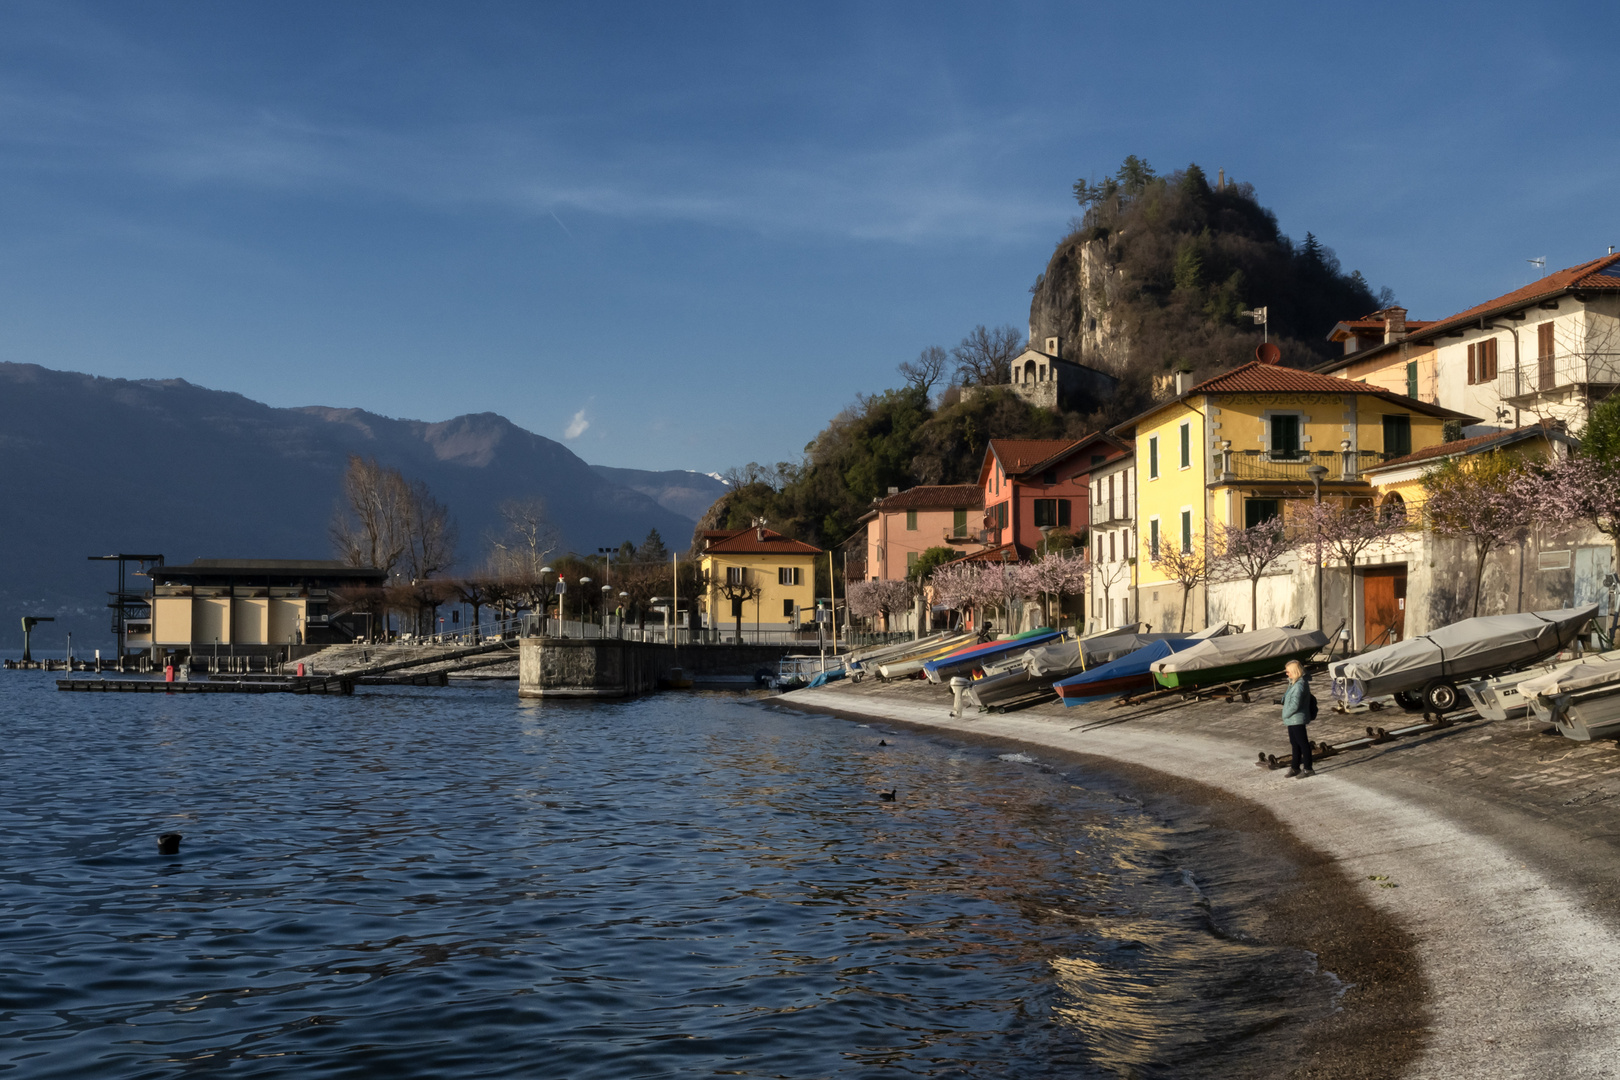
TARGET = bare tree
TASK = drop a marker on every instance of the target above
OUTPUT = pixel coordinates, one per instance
(369, 528)
(1109, 574)
(1348, 532)
(522, 550)
(430, 534)
(984, 357)
(1187, 568)
(738, 587)
(926, 370)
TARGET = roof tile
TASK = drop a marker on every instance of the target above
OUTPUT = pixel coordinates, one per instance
(935, 497)
(747, 542)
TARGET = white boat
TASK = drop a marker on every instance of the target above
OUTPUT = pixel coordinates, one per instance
(1423, 671)
(1583, 702)
(1502, 698)
(912, 661)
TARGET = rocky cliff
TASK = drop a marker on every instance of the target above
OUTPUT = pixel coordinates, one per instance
(1078, 300)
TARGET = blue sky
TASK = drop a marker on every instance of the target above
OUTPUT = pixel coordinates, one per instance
(683, 236)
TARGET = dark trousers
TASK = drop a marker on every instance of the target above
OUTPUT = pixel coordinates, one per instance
(1300, 744)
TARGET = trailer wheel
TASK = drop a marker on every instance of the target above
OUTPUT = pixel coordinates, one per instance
(1440, 696)
(1409, 700)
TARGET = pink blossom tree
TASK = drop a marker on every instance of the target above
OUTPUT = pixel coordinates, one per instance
(1573, 489)
(955, 585)
(1346, 533)
(1247, 553)
(1060, 574)
(1479, 499)
(880, 598)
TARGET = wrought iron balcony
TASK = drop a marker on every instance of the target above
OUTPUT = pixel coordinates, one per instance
(1264, 465)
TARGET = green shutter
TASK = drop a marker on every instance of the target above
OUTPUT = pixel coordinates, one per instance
(1411, 379)
(1153, 539)
(1186, 446)
(1153, 457)
(1186, 530)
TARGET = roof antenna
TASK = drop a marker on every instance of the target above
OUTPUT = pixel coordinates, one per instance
(1541, 263)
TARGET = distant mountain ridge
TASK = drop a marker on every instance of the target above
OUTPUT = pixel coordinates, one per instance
(689, 494)
(91, 465)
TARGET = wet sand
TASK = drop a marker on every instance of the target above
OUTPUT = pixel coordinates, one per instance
(1474, 920)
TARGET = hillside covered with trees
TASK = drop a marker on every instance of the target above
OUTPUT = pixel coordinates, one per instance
(1152, 279)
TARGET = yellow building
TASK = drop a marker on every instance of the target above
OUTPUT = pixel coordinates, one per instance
(248, 606)
(1236, 449)
(756, 578)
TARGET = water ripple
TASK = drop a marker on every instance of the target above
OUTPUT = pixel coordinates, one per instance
(442, 883)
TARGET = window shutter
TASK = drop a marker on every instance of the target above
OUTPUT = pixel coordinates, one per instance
(1063, 513)
(1547, 375)
(1472, 349)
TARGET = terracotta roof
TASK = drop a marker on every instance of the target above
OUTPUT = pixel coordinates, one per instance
(1258, 378)
(1601, 273)
(1412, 326)
(935, 497)
(1489, 441)
(1016, 455)
(747, 542)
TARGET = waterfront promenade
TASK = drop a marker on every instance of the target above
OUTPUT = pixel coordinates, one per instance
(1494, 845)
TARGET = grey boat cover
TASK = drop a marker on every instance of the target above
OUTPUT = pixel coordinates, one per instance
(1473, 646)
(1572, 677)
(1232, 649)
(1060, 656)
(1110, 647)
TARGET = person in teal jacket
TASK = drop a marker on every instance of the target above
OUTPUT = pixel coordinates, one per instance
(1298, 710)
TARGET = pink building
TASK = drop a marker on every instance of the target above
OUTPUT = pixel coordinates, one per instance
(907, 523)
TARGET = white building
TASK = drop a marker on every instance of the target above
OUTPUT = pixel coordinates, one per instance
(1112, 589)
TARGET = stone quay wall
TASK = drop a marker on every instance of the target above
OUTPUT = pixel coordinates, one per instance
(596, 667)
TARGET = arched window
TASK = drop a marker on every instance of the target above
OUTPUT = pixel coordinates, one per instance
(1393, 507)
(1029, 371)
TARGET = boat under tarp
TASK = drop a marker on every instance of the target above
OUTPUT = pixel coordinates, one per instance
(1128, 674)
(1581, 701)
(966, 660)
(1110, 647)
(1234, 657)
(1430, 663)
(1502, 697)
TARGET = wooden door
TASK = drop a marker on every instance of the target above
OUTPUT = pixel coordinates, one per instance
(1383, 606)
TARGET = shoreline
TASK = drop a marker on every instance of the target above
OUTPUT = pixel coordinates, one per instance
(1487, 950)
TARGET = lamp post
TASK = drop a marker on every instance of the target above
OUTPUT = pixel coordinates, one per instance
(584, 581)
(623, 596)
(1316, 473)
(607, 591)
(1006, 590)
(545, 604)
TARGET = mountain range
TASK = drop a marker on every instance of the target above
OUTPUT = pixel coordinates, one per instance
(93, 466)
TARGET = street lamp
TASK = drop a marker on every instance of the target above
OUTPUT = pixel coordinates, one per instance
(1316, 473)
(607, 591)
(623, 596)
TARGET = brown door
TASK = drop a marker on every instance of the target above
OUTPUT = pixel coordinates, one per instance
(1383, 605)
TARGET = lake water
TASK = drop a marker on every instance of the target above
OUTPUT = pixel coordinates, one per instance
(453, 882)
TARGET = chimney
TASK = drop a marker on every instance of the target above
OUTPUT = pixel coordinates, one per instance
(894, 491)
(1394, 325)
(1183, 382)
(1221, 185)
(1052, 347)
(760, 533)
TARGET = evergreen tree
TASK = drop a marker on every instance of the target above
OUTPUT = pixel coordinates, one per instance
(652, 549)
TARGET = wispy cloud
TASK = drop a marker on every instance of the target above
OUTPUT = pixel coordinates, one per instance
(957, 182)
(576, 427)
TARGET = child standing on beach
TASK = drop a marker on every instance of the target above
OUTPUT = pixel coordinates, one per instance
(1298, 710)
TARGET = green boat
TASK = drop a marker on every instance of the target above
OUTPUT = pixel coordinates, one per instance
(1236, 657)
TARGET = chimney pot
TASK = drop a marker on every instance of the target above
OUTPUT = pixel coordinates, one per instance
(1183, 381)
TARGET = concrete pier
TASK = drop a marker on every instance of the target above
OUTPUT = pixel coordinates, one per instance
(605, 668)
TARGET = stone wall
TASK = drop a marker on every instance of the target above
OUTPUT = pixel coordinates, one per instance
(572, 667)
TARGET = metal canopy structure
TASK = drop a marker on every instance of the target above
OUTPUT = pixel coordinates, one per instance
(125, 604)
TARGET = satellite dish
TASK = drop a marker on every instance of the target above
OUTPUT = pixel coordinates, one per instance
(1268, 353)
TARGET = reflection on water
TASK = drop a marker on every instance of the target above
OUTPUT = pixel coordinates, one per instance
(453, 883)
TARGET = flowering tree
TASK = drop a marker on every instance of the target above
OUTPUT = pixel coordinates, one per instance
(1246, 553)
(880, 598)
(1578, 488)
(1479, 499)
(1060, 574)
(1347, 533)
(1186, 568)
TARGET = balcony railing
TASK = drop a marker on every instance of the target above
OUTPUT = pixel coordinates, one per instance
(1264, 465)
